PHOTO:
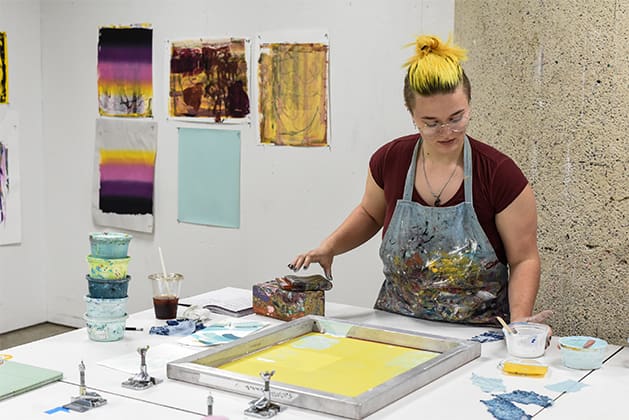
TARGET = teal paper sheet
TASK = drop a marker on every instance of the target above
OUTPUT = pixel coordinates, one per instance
(209, 177)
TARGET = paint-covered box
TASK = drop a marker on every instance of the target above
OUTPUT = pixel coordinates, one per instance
(269, 299)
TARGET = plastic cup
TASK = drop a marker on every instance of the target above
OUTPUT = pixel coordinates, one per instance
(529, 340)
(166, 289)
(576, 355)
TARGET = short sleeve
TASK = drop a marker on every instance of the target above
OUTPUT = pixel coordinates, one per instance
(507, 184)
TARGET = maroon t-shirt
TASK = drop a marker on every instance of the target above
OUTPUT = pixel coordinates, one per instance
(496, 182)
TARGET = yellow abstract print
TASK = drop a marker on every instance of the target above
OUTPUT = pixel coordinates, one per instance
(4, 69)
(293, 98)
(209, 79)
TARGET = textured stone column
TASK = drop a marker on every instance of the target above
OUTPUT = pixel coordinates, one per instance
(550, 88)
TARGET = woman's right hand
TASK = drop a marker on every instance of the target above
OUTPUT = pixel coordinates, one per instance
(322, 255)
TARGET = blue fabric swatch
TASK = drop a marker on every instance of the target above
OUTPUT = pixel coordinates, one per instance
(488, 384)
(505, 410)
(527, 397)
(502, 406)
(566, 386)
(488, 336)
(177, 327)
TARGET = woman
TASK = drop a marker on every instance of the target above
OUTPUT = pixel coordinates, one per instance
(458, 217)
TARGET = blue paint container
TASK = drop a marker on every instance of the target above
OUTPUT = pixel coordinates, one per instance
(105, 329)
(105, 308)
(107, 289)
(109, 244)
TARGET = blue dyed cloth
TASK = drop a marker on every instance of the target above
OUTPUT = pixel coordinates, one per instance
(505, 410)
(180, 327)
(488, 336)
(502, 406)
(527, 397)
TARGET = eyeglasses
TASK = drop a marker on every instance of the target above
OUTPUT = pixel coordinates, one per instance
(456, 125)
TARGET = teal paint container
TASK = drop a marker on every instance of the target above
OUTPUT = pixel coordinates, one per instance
(107, 289)
(109, 244)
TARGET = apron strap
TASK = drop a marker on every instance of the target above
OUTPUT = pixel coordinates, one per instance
(409, 184)
(467, 170)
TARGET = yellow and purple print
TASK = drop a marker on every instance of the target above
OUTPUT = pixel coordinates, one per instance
(125, 81)
(126, 181)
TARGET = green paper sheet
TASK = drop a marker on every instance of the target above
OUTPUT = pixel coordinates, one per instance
(17, 378)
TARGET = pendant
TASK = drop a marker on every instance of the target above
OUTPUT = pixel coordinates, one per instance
(437, 202)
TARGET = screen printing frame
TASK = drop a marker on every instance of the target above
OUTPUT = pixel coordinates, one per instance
(453, 353)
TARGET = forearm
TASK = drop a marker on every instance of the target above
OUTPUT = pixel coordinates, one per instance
(357, 229)
(524, 281)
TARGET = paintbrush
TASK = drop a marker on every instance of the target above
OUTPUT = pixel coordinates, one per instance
(506, 327)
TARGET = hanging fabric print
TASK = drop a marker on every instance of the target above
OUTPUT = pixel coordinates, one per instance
(4, 69)
(125, 80)
(124, 172)
(10, 201)
(293, 92)
(209, 79)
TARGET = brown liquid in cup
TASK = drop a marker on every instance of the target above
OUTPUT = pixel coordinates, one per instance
(165, 307)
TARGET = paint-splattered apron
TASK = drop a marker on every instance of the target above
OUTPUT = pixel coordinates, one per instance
(438, 262)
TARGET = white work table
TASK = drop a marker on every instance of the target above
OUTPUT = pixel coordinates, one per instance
(453, 395)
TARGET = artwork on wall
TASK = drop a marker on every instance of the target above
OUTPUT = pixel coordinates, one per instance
(10, 200)
(125, 79)
(209, 177)
(4, 69)
(209, 79)
(124, 173)
(292, 75)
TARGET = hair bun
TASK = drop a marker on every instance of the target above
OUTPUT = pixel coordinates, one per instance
(426, 44)
(430, 44)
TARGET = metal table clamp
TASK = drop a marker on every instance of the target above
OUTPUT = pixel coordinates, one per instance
(263, 407)
(141, 380)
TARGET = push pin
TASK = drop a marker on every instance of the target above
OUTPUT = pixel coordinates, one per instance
(263, 407)
(141, 380)
(86, 400)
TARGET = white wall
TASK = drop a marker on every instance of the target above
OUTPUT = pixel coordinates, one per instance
(22, 266)
(290, 197)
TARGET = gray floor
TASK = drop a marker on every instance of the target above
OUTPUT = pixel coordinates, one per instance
(33, 333)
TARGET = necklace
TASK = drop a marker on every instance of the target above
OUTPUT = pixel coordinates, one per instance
(437, 197)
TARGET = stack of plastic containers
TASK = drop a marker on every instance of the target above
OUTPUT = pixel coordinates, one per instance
(108, 283)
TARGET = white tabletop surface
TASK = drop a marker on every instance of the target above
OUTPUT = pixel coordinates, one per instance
(604, 396)
(450, 396)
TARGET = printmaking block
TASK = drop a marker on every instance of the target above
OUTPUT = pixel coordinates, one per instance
(271, 300)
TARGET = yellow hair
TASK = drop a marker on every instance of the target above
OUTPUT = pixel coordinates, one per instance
(435, 65)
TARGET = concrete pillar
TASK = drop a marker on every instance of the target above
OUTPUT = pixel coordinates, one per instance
(550, 88)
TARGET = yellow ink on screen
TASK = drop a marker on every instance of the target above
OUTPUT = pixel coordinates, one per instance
(339, 365)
